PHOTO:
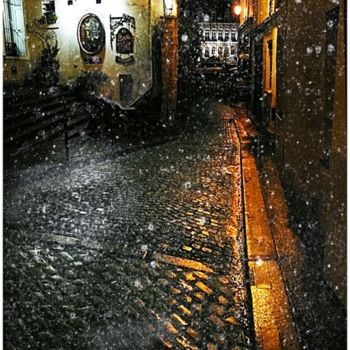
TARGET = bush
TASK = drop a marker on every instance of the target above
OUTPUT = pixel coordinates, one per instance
(87, 84)
(46, 72)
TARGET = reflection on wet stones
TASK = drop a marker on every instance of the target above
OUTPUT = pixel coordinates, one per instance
(85, 273)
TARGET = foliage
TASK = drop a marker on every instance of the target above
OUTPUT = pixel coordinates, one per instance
(87, 84)
(46, 72)
(48, 18)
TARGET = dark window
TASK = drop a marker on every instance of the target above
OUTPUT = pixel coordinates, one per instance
(269, 65)
(48, 6)
(226, 51)
(125, 41)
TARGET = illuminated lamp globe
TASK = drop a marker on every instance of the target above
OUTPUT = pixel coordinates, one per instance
(237, 10)
(168, 7)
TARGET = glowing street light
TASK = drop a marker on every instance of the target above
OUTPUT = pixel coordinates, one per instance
(237, 10)
(168, 7)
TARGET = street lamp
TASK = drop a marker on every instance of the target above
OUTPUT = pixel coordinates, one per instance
(168, 7)
(237, 10)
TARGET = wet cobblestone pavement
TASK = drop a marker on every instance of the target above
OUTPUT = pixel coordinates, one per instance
(131, 252)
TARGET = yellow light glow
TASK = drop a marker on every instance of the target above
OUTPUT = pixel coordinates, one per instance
(259, 262)
(237, 10)
(168, 7)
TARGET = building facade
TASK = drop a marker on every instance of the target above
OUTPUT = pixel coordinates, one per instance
(219, 40)
(297, 62)
(91, 35)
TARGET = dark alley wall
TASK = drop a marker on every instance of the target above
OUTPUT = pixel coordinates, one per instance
(311, 128)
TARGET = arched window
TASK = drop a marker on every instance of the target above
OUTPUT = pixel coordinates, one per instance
(124, 41)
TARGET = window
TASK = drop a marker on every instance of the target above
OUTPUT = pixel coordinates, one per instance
(233, 50)
(206, 52)
(220, 51)
(213, 51)
(220, 36)
(207, 35)
(270, 66)
(227, 36)
(14, 32)
(48, 6)
(226, 16)
(213, 35)
(234, 36)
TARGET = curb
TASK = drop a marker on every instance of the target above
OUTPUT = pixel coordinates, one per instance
(273, 319)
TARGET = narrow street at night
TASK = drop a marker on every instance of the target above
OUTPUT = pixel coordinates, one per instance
(174, 175)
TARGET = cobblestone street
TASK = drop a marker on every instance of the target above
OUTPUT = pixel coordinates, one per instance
(141, 251)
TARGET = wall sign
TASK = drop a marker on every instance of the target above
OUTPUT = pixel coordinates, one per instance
(123, 34)
(91, 34)
(124, 41)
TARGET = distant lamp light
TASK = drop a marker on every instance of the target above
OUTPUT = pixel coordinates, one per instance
(168, 7)
(237, 10)
(206, 18)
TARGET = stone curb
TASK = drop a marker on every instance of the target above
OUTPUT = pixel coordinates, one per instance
(273, 320)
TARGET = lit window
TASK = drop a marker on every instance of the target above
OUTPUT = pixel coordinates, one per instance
(268, 65)
(14, 32)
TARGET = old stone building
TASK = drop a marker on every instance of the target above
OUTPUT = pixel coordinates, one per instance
(219, 40)
(298, 98)
(115, 39)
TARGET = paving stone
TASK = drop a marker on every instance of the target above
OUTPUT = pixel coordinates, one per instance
(101, 254)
